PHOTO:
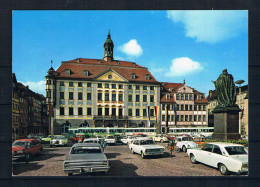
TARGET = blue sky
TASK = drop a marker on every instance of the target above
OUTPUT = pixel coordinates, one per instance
(173, 45)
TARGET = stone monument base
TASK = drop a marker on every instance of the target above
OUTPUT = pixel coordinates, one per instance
(226, 124)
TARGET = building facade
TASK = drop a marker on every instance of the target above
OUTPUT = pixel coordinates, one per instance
(101, 93)
(182, 106)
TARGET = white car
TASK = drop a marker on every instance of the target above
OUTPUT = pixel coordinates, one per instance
(146, 146)
(224, 156)
(127, 139)
(185, 142)
(160, 138)
(59, 140)
(91, 140)
(110, 140)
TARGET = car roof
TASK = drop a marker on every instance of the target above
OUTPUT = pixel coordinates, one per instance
(27, 140)
(86, 145)
(91, 139)
(224, 144)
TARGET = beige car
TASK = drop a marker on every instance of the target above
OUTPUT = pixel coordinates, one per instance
(160, 138)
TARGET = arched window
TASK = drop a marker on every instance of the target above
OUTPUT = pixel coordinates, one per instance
(65, 127)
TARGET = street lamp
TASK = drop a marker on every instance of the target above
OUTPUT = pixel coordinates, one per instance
(239, 82)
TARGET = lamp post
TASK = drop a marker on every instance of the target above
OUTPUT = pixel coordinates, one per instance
(239, 82)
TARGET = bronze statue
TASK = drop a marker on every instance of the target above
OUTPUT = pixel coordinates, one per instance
(226, 90)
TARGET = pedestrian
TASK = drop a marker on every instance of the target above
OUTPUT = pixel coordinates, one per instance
(171, 146)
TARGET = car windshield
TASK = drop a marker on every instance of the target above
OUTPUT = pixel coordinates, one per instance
(85, 150)
(110, 137)
(146, 142)
(59, 137)
(186, 139)
(19, 143)
(90, 141)
(235, 150)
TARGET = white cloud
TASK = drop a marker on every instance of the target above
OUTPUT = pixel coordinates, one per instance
(119, 58)
(183, 66)
(211, 26)
(38, 87)
(131, 48)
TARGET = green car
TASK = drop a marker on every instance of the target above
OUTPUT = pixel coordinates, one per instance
(47, 139)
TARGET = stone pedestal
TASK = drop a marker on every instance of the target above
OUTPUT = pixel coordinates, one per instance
(226, 124)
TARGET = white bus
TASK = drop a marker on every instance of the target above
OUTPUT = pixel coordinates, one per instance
(205, 131)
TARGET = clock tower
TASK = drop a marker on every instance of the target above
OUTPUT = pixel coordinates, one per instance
(108, 48)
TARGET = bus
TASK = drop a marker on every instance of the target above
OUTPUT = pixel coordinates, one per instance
(104, 131)
(205, 131)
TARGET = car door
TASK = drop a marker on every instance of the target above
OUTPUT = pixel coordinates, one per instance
(204, 155)
(33, 148)
(216, 156)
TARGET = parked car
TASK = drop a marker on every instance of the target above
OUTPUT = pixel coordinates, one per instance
(171, 136)
(146, 146)
(199, 140)
(85, 158)
(47, 139)
(59, 140)
(25, 148)
(79, 138)
(110, 140)
(224, 156)
(160, 138)
(185, 142)
(91, 140)
(35, 136)
(99, 137)
(128, 139)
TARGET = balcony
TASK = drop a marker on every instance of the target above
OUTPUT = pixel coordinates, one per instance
(109, 117)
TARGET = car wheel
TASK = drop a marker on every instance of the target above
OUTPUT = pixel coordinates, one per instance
(70, 174)
(184, 149)
(193, 159)
(142, 155)
(223, 169)
(132, 151)
(177, 149)
(161, 141)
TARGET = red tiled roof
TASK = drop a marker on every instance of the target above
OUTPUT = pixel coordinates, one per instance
(203, 100)
(173, 86)
(213, 95)
(125, 69)
(164, 100)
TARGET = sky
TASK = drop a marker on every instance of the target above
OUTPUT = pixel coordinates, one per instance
(194, 46)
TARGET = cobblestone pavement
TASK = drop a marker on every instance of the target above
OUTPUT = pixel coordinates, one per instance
(122, 163)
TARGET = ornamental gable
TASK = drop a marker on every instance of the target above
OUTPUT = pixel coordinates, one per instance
(185, 89)
(110, 76)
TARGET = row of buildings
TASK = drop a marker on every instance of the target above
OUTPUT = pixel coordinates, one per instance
(29, 111)
(112, 93)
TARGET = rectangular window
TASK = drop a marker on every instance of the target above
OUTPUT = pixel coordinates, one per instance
(67, 72)
(89, 84)
(114, 86)
(182, 97)
(151, 98)
(130, 87)
(61, 111)
(137, 112)
(182, 107)
(186, 117)
(195, 118)
(61, 95)
(144, 87)
(79, 95)
(144, 112)
(120, 97)
(113, 111)
(195, 107)
(100, 111)
(186, 107)
(204, 107)
(172, 118)
(120, 86)
(144, 98)
(199, 107)
(99, 85)
(181, 117)
(151, 112)
(190, 118)
(137, 98)
(79, 84)
(106, 85)
(113, 97)
(186, 96)
(120, 112)
(137, 87)
(163, 117)
(163, 106)
(190, 96)
(204, 118)
(190, 107)
(107, 111)
(130, 98)
(80, 111)
(61, 83)
(177, 97)
(70, 84)
(99, 96)
(151, 87)
(88, 96)
(89, 111)
(130, 112)
(70, 111)
(178, 107)
(70, 95)
(199, 118)
(106, 96)
(85, 72)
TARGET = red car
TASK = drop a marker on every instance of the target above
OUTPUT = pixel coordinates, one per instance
(26, 148)
(79, 138)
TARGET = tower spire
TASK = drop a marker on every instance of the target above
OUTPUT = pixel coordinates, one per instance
(108, 47)
(51, 63)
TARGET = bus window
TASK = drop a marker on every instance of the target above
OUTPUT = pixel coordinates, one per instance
(211, 130)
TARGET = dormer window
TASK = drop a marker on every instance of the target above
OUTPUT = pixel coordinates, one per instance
(86, 73)
(133, 76)
(78, 60)
(134, 64)
(170, 89)
(117, 62)
(67, 72)
(99, 61)
(147, 77)
(168, 97)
